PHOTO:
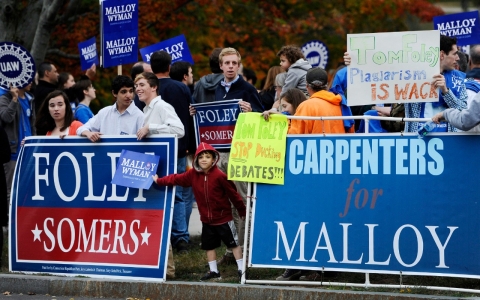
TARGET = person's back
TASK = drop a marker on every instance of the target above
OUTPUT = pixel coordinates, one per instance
(322, 103)
(205, 88)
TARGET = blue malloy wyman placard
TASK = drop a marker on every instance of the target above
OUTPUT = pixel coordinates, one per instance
(464, 26)
(119, 32)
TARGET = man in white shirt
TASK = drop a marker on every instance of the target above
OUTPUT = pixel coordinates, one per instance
(160, 117)
(121, 118)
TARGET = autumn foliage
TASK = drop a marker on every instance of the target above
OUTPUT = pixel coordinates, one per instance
(256, 28)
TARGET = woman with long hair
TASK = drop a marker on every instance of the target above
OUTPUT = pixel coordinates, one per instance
(267, 95)
(55, 117)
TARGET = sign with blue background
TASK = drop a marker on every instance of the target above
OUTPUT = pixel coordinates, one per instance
(464, 26)
(380, 204)
(67, 218)
(135, 170)
(215, 122)
(17, 67)
(316, 53)
(177, 47)
(119, 32)
(88, 53)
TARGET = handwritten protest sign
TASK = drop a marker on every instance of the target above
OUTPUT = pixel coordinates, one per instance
(463, 26)
(258, 149)
(88, 53)
(177, 47)
(135, 169)
(393, 67)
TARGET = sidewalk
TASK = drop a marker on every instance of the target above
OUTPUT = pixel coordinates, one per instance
(87, 287)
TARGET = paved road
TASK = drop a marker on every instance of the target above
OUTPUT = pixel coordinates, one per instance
(49, 297)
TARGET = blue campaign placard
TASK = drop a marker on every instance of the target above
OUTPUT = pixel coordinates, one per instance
(68, 218)
(316, 52)
(135, 169)
(215, 122)
(372, 203)
(177, 47)
(464, 26)
(17, 66)
(88, 53)
(119, 38)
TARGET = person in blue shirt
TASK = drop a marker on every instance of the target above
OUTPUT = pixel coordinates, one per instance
(84, 92)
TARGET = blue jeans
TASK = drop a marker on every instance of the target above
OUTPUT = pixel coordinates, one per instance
(179, 224)
(189, 198)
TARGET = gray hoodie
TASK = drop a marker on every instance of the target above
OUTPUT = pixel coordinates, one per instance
(464, 119)
(296, 76)
(205, 88)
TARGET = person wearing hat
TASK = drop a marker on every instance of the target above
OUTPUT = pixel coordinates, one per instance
(321, 103)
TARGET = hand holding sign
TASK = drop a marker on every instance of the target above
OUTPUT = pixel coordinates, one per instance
(14, 93)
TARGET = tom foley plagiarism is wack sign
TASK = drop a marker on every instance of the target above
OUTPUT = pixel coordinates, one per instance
(177, 47)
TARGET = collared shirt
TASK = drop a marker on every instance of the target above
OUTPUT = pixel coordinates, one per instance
(161, 118)
(227, 85)
(110, 121)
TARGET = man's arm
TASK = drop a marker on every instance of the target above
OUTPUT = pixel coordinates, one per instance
(463, 119)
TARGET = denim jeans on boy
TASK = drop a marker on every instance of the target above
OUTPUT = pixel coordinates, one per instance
(179, 224)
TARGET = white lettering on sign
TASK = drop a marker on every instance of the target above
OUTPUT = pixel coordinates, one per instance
(356, 156)
(458, 27)
(286, 247)
(120, 12)
(121, 46)
(175, 51)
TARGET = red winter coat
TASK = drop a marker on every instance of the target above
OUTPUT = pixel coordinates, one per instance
(212, 190)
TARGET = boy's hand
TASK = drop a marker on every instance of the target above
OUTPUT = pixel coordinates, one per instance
(155, 177)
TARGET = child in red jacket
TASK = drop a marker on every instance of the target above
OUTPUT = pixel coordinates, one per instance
(212, 191)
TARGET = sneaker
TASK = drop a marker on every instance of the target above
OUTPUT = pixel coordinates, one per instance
(182, 247)
(211, 275)
(289, 274)
(227, 259)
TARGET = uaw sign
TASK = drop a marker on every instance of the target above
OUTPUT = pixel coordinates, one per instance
(177, 47)
(464, 26)
(67, 218)
(215, 122)
(316, 53)
(119, 28)
(371, 203)
(17, 67)
(88, 53)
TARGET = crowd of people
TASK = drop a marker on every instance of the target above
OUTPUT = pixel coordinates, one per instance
(157, 98)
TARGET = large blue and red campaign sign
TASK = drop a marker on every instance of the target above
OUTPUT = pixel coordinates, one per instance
(119, 32)
(67, 218)
(215, 122)
(373, 203)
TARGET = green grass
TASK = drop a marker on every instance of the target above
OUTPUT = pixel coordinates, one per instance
(192, 266)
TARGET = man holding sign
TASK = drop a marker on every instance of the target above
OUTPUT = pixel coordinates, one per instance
(232, 87)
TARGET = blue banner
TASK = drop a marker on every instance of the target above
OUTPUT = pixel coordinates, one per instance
(119, 28)
(215, 122)
(135, 170)
(67, 218)
(380, 204)
(463, 26)
(177, 47)
(17, 66)
(316, 53)
(88, 53)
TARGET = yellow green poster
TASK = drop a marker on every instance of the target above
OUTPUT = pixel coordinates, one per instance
(258, 149)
